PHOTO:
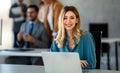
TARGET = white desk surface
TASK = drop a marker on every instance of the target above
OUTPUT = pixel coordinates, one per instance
(5, 68)
(8, 68)
(110, 40)
(36, 52)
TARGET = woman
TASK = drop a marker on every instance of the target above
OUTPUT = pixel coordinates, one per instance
(53, 10)
(71, 39)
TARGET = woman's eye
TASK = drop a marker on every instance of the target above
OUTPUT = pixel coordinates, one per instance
(65, 18)
(71, 17)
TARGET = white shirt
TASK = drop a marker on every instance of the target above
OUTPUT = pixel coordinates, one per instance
(49, 17)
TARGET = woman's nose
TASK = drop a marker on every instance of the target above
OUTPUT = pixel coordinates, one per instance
(68, 20)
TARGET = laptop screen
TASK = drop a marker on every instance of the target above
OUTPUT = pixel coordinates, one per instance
(61, 62)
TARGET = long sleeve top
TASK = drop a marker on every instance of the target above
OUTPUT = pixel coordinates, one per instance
(85, 48)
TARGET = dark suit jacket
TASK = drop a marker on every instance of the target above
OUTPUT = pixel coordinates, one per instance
(17, 24)
(39, 33)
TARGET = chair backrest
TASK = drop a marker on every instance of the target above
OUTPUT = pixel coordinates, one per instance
(97, 38)
(103, 27)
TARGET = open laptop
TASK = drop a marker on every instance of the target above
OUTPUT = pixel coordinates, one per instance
(61, 62)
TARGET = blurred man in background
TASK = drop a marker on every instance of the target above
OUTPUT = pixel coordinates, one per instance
(32, 35)
(18, 14)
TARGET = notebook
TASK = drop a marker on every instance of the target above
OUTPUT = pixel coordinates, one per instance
(61, 62)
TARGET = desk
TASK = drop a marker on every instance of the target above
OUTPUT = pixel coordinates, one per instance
(113, 40)
(36, 52)
(5, 68)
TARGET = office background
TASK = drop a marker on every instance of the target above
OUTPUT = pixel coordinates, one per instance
(90, 11)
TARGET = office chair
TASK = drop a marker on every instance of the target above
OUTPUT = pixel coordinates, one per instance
(103, 27)
(97, 38)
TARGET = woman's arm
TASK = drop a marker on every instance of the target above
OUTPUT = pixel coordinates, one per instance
(54, 47)
(89, 51)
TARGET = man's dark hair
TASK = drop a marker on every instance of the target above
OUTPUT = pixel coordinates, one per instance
(34, 6)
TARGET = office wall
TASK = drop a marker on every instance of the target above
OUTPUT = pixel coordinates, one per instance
(35, 2)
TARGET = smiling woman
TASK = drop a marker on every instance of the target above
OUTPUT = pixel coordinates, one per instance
(71, 38)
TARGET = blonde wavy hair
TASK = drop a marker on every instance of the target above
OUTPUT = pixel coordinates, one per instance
(61, 30)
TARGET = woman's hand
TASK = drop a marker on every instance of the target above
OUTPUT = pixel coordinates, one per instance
(84, 63)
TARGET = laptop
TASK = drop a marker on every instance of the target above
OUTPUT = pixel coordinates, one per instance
(61, 62)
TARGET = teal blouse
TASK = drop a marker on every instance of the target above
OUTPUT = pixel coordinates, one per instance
(85, 49)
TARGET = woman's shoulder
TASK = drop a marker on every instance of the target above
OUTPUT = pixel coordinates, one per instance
(87, 37)
(85, 33)
(54, 44)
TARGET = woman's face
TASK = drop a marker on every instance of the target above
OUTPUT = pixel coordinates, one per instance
(70, 20)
